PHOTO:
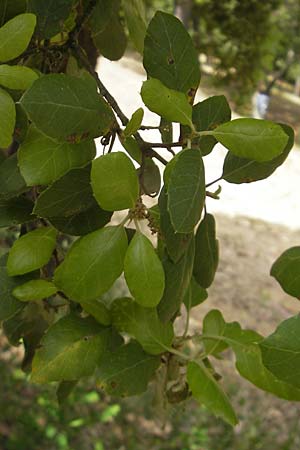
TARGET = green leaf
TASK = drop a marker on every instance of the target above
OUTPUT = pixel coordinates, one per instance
(42, 160)
(206, 390)
(143, 272)
(68, 196)
(259, 140)
(114, 182)
(195, 295)
(177, 280)
(170, 55)
(176, 243)
(206, 252)
(249, 362)
(84, 222)
(143, 324)
(31, 251)
(281, 351)
(127, 371)
(12, 183)
(70, 349)
(50, 15)
(132, 148)
(135, 17)
(215, 325)
(186, 191)
(110, 41)
(15, 36)
(98, 310)
(286, 270)
(9, 305)
(34, 290)
(241, 170)
(134, 123)
(150, 178)
(7, 118)
(167, 103)
(15, 211)
(93, 264)
(17, 77)
(67, 108)
(207, 115)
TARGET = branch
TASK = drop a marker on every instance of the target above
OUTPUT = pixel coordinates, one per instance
(146, 147)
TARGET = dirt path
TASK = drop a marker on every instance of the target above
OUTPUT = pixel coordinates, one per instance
(275, 200)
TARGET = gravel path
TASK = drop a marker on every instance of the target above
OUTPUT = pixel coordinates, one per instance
(275, 200)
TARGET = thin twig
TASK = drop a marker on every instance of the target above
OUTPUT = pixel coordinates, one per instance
(145, 146)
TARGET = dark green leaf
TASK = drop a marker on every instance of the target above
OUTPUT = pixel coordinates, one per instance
(70, 349)
(64, 389)
(281, 351)
(176, 243)
(111, 42)
(15, 36)
(135, 17)
(93, 264)
(150, 179)
(186, 191)
(143, 271)
(10, 9)
(98, 310)
(17, 77)
(15, 211)
(206, 252)
(207, 115)
(115, 182)
(195, 295)
(21, 126)
(143, 324)
(12, 183)
(169, 54)
(85, 222)
(67, 108)
(68, 196)
(286, 270)
(177, 280)
(34, 290)
(50, 15)
(127, 371)
(9, 305)
(7, 118)
(31, 251)
(134, 123)
(101, 15)
(206, 390)
(259, 140)
(241, 170)
(42, 160)
(167, 103)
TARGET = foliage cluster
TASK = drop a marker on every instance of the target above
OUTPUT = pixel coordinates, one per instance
(53, 105)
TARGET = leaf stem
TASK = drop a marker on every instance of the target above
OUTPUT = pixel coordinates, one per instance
(215, 181)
